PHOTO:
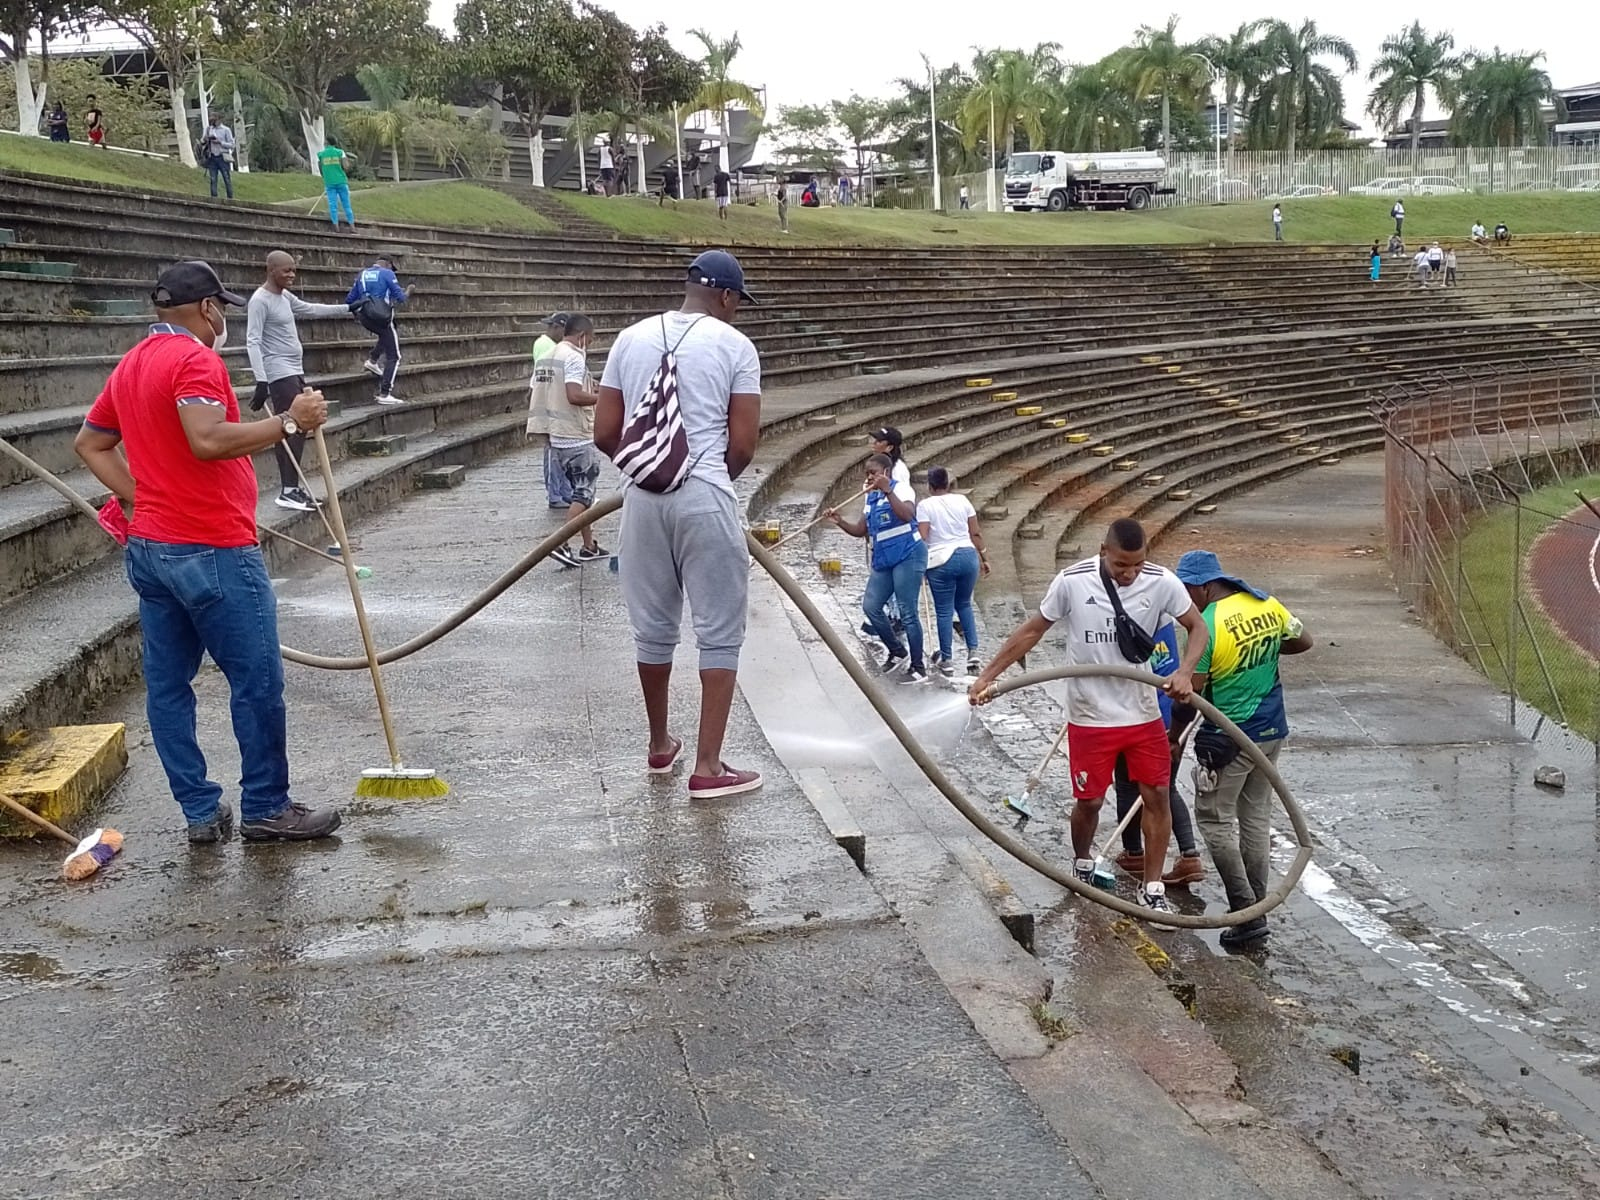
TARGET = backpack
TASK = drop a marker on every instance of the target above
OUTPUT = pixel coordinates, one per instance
(653, 450)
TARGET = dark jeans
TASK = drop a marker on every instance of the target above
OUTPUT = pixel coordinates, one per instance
(386, 350)
(903, 581)
(196, 600)
(218, 165)
(952, 584)
(281, 394)
(1128, 792)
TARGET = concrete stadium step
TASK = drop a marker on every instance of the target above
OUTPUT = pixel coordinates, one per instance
(71, 643)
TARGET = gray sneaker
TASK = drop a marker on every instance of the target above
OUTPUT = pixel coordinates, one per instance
(218, 829)
(297, 823)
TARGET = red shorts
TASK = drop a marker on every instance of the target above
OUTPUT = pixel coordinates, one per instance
(1092, 751)
(97, 135)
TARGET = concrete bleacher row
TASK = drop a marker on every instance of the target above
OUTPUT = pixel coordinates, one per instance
(73, 284)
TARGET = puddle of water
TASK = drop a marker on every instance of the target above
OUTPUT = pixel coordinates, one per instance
(27, 965)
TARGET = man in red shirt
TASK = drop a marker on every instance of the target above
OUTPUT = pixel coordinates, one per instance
(192, 555)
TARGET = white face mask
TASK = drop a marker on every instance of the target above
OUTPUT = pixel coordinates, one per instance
(220, 336)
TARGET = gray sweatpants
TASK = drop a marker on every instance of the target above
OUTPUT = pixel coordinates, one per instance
(1233, 808)
(687, 542)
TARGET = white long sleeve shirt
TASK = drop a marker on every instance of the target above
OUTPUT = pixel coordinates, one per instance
(271, 339)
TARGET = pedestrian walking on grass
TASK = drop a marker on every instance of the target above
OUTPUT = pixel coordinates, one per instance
(956, 559)
(966, 199)
(720, 183)
(680, 413)
(1398, 212)
(336, 182)
(1113, 606)
(373, 298)
(558, 492)
(564, 400)
(165, 437)
(899, 563)
(1238, 672)
(60, 124)
(277, 360)
(217, 151)
(95, 124)
(783, 208)
(1277, 223)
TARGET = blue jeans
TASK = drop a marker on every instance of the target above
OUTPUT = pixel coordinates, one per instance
(218, 165)
(556, 484)
(201, 599)
(339, 193)
(952, 585)
(903, 581)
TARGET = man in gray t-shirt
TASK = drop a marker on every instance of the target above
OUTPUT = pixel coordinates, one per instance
(272, 342)
(692, 534)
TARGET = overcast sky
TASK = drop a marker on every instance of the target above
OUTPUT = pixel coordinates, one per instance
(813, 51)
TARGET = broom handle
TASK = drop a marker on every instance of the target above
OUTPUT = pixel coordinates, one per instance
(1033, 780)
(815, 521)
(1138, 801)
(367, 644)
(28, 814)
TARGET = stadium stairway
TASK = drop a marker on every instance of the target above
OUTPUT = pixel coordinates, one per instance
(77, 263)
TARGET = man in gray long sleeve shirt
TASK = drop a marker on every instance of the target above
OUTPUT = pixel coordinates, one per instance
(277, 361)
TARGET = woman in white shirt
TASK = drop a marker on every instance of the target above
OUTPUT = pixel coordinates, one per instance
(899, 561)
(956, 557)
(888, 442)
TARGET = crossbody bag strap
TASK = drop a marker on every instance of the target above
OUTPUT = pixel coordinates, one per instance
(1111, 590)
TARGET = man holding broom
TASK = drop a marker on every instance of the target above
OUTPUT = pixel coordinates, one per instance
(192, 555)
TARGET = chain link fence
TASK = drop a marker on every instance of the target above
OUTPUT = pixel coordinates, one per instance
(1489, 538)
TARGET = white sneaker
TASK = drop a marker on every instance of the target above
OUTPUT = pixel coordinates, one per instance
(297, 499)
(391, 398)
(372, 368)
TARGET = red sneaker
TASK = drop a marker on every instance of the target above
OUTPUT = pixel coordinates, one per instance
(662, 764)
(729, 783)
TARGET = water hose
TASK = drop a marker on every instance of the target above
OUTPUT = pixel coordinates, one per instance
(791, 588)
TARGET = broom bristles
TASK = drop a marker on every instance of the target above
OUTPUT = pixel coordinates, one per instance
(402, 785)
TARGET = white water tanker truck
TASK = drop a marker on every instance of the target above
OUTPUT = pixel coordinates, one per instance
(1054, 181)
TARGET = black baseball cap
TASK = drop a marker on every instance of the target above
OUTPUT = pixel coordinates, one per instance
(889, 434)
(721, 270)
(190, 282)
(558, 318)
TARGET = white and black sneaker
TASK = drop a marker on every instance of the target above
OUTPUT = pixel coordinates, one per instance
(296, 499)
(974, 664)
(892, 663)
(916, 674)
(372, 368)
(1083, 870)
(585, 554)
(1155, 901)
(563, 556)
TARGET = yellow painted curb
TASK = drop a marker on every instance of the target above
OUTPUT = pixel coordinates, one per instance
(1103, 451)
(1172, 369)
(1206, 509)
(60, 773)
(1003, 397)
(1126, 464)
(1054, 423)
(1180, 494)
(980, 381)
(1077, 439)
(1030, 410)
(1149, 358)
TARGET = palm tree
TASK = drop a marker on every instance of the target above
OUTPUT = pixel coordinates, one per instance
(1411, 62)
(385, 124)
(1498, 100)
(1014, 89)
(720, 89)
(1303, 93)
(1092, 104)
(1244, 62)
(1161, 65)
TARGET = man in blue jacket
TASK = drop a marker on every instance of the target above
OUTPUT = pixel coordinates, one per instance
(373, 298)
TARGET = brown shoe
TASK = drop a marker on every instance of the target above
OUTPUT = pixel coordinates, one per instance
(1188, 869)
(1133, 864)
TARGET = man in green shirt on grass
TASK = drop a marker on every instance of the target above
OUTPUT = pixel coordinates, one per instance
(330, 161)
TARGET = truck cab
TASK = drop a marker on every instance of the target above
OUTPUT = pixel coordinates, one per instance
(1054, 181)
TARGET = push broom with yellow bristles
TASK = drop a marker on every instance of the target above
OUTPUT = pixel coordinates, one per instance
(396, 781)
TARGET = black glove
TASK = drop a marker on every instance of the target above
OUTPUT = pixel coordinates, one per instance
(259, 400)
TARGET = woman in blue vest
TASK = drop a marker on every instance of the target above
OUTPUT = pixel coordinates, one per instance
(899, 561)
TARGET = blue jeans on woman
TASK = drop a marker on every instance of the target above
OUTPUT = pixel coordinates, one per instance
(339, 195)
(952, 584)
(196, 600)
(903, 581)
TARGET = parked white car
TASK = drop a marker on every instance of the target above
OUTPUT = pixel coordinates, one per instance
(1588, 185)
(1388, 185)
(1436, 185)
(1305, 191)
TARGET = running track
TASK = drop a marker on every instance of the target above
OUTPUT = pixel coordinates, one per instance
(1566, 578)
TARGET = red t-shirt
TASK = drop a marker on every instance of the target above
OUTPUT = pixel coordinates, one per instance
(177, 497)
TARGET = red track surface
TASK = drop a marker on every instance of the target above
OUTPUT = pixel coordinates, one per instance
(1563, 571)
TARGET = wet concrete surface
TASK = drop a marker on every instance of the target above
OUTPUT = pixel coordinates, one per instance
(565, 979)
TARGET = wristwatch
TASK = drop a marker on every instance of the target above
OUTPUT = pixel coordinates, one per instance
(290, 425)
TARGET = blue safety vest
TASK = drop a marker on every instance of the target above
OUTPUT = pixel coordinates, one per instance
(893, 540)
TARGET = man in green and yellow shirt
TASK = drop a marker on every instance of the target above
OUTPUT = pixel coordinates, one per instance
(1239, 674)
(330, 162)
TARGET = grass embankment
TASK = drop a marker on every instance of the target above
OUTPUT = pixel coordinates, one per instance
(460, 205)
(1336, 219)
(1542, 655)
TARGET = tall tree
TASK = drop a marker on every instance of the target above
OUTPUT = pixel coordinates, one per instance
(1163, 66)
(805, 138)
(721, 89)
(20, 22)
(1013, 89)
(528, 55)
(1499, 100)
(1243, 59)
(1094, 106)
(1302, 93)
(656, 80)
(864, 121)
(304, 45)
(174, 32)
(1411, 63)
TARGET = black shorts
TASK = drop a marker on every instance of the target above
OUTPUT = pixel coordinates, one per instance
(281, 392)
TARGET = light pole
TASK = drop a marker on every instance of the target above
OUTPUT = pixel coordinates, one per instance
(994, 156)
(1217, 92)
(933, 136)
